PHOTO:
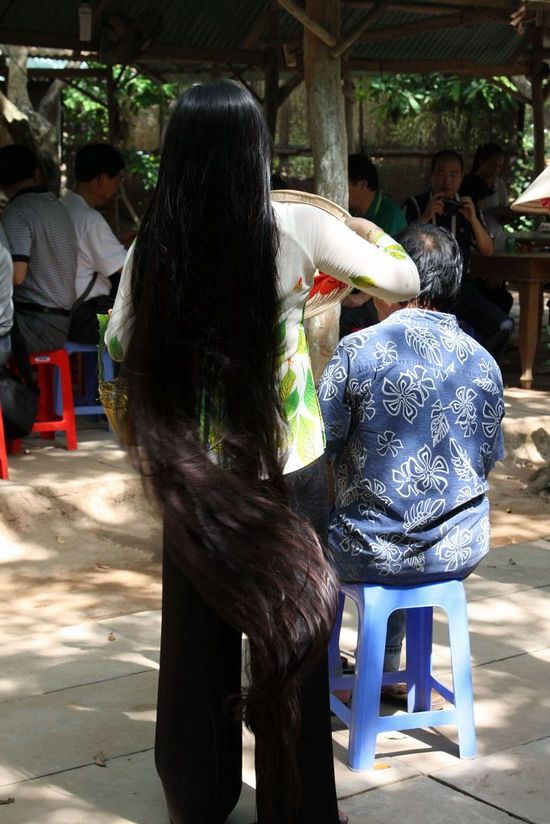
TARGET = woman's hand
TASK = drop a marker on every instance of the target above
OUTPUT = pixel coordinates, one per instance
(364, 228)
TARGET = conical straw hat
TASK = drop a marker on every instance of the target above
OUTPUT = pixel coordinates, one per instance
(536, 198)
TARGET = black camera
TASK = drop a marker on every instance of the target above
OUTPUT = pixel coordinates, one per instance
(450, 206)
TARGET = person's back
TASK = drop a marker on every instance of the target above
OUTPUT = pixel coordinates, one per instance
(414, 438)
(43, 247)
(412, 410)
(6, 302)
(98, 169)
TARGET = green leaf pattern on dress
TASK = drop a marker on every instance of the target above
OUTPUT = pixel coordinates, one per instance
(300, 404)
(115, 349)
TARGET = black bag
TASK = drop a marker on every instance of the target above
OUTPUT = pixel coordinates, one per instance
(19, 403)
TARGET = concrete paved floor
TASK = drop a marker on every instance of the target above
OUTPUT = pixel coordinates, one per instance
(78, 680)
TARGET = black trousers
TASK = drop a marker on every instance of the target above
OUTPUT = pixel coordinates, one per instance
(84, 323)
(198, 736)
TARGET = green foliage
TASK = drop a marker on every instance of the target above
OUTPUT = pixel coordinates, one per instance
(145, 165)
(85, 107)
(86, 114)
(140, 92)
(408, 95)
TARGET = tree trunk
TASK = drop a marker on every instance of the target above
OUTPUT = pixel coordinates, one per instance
(24, 124)
(327, 130)
(325, 105)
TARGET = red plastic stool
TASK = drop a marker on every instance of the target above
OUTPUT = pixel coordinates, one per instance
(3, 452)
(47, 422)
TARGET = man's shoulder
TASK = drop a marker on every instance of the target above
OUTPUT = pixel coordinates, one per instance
(392, 217)
(363, 347)
(78, 209)
(414, 205)
(388, 203)
(86, 220)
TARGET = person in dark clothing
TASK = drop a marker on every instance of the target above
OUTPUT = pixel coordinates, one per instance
(443, 206)
(367, 200)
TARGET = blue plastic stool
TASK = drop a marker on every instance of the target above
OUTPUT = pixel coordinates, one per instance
(374, 605)
(72, 348)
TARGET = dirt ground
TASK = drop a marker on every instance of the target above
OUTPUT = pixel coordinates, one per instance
(93, 549)
(516, 515)
(78, 541)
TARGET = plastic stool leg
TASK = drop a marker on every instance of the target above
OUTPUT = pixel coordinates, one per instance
(15, 446)
(67, 399)
(365, 706)
(108, 367)
(419, 658)
(459, 637)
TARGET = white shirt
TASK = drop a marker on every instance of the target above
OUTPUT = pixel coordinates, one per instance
(310, 239)
(99, 250)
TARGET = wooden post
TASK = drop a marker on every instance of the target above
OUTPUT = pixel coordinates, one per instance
(537, 98)
(327, 131)
(349, 104)
(325, 104)
(271, 94)
(111, 212)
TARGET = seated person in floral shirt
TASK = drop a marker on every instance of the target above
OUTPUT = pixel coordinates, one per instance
(412, 409)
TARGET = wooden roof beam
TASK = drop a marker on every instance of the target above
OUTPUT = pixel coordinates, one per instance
(187, 54)
(348, 40)
(239, 75)
(450, 21)
(430, 66)
(312, 25)
(259, 28)
(418, 8)
(48, 40)
(287, 88)
(61, 74)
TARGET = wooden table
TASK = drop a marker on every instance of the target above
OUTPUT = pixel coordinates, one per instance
(530, 272)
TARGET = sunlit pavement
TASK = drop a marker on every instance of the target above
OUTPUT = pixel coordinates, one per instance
(79, 656)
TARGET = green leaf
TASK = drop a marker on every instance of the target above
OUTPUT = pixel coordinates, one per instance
(310, 395)
(115, 349)
(302, 341)
(363, 281)
(290, 404)
(305, 444)
(287, 382)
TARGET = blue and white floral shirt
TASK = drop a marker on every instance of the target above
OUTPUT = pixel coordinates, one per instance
(412, 410)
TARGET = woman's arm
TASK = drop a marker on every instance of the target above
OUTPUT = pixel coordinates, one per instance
(121, 323)
(362, 255)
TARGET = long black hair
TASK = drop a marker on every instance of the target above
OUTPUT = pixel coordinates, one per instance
(202, 373)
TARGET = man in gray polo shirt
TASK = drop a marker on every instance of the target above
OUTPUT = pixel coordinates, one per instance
(44, 251)
(6, 303)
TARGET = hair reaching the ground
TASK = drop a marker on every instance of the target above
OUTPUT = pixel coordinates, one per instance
(202, 371)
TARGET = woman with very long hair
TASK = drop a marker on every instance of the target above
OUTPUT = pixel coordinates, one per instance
(228, 436)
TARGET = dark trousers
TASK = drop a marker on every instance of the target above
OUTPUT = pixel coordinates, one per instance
(198, 735)
(84, 323)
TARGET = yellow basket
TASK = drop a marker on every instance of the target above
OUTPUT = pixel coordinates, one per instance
(114, 399)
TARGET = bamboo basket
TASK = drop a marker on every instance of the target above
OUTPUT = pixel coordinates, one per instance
(114, 399)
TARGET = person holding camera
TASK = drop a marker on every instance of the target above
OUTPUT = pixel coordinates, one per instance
(443, 206)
